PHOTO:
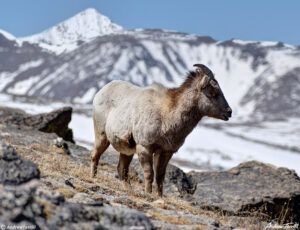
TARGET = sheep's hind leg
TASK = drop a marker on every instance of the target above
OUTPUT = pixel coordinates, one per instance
(161, 161)
(101, 144)
(146, 161)
(123, 169)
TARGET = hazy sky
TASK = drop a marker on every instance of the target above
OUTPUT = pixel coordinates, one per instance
(271, 20)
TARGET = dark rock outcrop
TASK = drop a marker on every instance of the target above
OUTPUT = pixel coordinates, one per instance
(184, 183)
(251, 187)
(32, 205)
(14, 169)
(53, 122)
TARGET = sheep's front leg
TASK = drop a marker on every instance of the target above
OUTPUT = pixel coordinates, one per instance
(146, 161)
(161, 161)
(123, 169)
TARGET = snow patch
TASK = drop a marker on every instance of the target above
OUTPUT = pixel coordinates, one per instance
(8, 77)
(87, 97)
(8, 35)
(241, 42)
(218, 149)
(22, 87)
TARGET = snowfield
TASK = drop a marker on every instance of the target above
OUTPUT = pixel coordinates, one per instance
(207, 147)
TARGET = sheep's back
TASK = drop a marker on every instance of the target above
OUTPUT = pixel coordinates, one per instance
(129, 110)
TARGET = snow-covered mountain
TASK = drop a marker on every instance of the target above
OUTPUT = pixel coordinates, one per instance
(258, 78)
(80, 28)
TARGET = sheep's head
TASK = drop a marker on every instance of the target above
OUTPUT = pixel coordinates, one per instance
(212, 101)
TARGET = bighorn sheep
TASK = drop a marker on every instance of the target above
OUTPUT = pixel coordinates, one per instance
(153, 121)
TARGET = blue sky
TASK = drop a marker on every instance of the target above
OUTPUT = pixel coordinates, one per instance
(270, 20)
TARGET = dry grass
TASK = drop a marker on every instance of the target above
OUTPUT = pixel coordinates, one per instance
(66, 191)
(169, 219)
(175, 220)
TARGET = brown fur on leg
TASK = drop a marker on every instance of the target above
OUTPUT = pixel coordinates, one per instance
(96, 154)
(100, 145)
(123, 166)
(146, 161)
(161, 161)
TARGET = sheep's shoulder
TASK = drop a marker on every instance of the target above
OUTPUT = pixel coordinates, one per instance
(158, 88)
(157, 96)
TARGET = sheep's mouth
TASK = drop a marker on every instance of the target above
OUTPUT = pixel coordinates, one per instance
(225, 118)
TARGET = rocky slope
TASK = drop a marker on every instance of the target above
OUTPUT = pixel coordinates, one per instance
(33, 204)
(56, 190)
(71, 61)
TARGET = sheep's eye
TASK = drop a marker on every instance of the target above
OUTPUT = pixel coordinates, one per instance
(211, 92)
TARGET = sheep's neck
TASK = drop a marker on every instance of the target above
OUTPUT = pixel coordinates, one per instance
(183, 115)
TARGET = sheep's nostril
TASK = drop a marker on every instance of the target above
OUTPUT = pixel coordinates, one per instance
(229, 111)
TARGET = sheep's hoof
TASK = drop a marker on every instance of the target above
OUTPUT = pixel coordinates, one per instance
(126, 186)
(93, 173)
(148, 188)
(159, 201)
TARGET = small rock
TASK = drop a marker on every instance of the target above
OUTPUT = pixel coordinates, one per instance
(69, 183)
(50, 195)
(14, 169)
(82, 198)
(60, 143)
(8, 153)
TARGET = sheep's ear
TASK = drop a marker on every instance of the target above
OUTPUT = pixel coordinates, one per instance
(204, 81)
(214, 84)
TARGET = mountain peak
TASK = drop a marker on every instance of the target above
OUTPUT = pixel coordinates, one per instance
(89, 11)
(82, 27)
(7, 35)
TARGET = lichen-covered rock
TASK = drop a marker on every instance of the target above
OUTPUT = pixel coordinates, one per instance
(184, 183)
(14, 169)
(30, 204)
(106, 216)
(250, 187)
(53, 122)
(17, 203)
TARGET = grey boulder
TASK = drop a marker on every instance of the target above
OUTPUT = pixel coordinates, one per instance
(250, 188)
(14, 169)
